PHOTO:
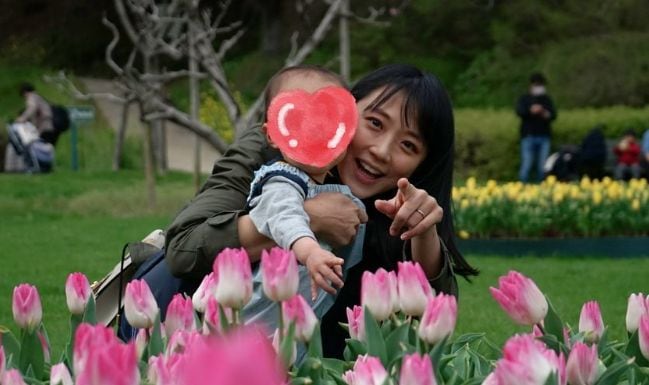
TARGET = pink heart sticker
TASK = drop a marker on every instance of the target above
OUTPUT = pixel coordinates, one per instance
(312, 129)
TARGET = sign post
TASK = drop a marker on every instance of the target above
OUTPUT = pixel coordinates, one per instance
(78, 115)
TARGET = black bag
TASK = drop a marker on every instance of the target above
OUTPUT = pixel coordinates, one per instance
(60, 118)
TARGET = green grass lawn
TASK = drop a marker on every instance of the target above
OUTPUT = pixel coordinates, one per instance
(56, 224)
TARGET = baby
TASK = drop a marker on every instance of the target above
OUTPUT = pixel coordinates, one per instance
(311, 119)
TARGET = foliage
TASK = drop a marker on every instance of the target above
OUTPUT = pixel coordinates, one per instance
(552, 209)
(487, 140)
(213, 113)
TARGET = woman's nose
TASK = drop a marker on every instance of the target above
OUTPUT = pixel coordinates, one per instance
(381, 148)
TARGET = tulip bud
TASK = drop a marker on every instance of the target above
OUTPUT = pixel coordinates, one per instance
(527, 361)
(26, 306)
(233, 278)
(367, 370)
(109, 362)
(590, 322)
(298, 311)
(87, 339)
(376, 294)
(414, 289)
(635, 309)
(77, 293)
(643, 335)
(163, 369)
(394, 292)
(438, 321)
(141, 341)
(279, 271)
(356, 321)
(12, 377)
(140, 306)
(180, 315)
(60, 375)
(417, 370)
(581, 368)
(520, 298)
(204, 292)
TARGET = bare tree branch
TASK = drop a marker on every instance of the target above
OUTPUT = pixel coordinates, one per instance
(317, 36)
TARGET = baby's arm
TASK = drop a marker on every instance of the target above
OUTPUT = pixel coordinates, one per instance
(278, 212)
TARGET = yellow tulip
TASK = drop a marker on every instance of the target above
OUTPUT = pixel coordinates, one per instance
(463, 234)
(635, 205)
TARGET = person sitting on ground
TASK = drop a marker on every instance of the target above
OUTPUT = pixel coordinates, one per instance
(37, 111)
(644, 154)
(592, 153)
(627, 151)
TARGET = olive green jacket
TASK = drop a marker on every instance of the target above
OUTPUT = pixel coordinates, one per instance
(208, 223)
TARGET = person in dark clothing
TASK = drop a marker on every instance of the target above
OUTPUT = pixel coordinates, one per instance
(592, 153)
(536, 110)
(400, 164)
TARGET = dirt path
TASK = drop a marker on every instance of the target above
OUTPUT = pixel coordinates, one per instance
(180, 142)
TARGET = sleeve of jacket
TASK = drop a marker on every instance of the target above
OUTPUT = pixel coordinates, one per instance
(523, 107)
(209, 222)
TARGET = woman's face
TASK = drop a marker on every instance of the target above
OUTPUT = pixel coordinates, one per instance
(383, 150)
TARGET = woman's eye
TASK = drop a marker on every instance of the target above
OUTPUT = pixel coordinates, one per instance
(375, 123)
(410, 146)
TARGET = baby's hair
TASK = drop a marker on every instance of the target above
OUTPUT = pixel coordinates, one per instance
(302, 69)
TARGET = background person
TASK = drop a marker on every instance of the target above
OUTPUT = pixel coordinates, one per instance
(627, 151)
(536, 110)
(37, 111)
(644, 154)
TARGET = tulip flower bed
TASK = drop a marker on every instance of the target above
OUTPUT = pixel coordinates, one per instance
(552, 209)
(403, 334)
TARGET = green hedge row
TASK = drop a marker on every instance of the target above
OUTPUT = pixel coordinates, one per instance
(487, 140)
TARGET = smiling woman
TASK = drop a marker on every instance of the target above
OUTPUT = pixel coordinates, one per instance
(399, 163)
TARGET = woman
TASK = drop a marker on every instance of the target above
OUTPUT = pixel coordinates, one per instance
(399, 163)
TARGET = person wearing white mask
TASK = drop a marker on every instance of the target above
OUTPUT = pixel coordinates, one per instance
(536, 110)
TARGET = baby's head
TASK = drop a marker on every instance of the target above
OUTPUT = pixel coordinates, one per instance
(309, 79)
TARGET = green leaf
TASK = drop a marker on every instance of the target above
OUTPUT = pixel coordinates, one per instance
(396, 341)
(156, 345)
(553, 379)
(11, 347)
(612, 374)
(375, 342)
(633, 350)
(552, 323)
(354, 349)
(223, 319)
(551, 341)
(31, 354)
(465, 339)
(311, 368)
(315, 344)
(287, 345)
(89, 315)
(436, 355)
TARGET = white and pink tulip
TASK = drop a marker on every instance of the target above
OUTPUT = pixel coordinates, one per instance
(233, 278)
(280, 276)
(376, 294)
(417, 370)
(527, 361)
(140, 307)
(643, 335)
(520, 298)
(77, 293)
(60, 375)
(296, 310)
(590, 322)
(356, 322)
(367, 370)
(636, 307)
(180, 315)
(581, 368)
(26, 307)
(414, 289)
(438, 321)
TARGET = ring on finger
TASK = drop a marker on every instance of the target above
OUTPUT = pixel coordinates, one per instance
(423, 214)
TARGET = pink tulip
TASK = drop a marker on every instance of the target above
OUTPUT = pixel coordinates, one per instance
(244, 357)
(2, 362)
(112, 364)
(635, 309)
(414, 289)
(87, 339)
(590, 322)
(233, 278)
(77, 293)
(60, 375)
(438, 321)
(296, 310)
(26, 306)
(520, 298)
(394, 292)
(367, 370)
(491, 380)
(581, 368)
(12, 377)
(417, 370)
(204, 292)
(356, 321)
(180, 315)
(141, 341)
(179, 341)
(163, 370)
(643, 335)
(279, 273)
(376, 294)
(527, 361)
(140, 306)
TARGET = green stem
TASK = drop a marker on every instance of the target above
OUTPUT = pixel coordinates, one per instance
(281, 323)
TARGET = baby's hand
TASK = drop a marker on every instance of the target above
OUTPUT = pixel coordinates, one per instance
(325, 269)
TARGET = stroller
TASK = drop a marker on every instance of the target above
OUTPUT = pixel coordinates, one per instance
(31, 153)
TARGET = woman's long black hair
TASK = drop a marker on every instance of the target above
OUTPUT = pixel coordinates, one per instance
(428, 106)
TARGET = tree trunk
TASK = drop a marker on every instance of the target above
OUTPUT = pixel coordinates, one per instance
(194, 103)
(344, 41)
(119, 138)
